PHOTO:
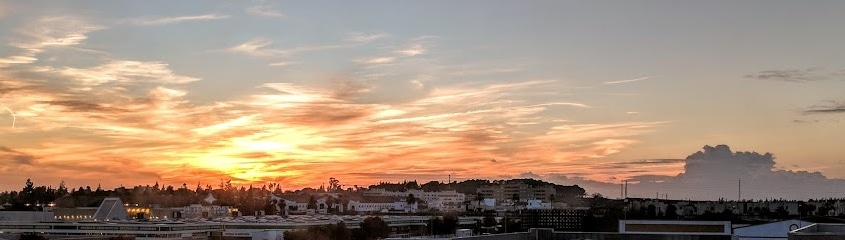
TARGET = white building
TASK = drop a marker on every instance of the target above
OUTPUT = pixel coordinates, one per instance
(200, 211)
(537, 204)
(442, 200)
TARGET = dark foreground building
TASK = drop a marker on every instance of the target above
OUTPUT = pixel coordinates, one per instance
(549, 234)
(819, 231)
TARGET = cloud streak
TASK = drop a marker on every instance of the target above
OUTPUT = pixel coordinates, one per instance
(48, 33)
(14, 118)
(260, 47)
(628, 80)
(791, 75)
(830, 108)
(264, 11)
(158, 21)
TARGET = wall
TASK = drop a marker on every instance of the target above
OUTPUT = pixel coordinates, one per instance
(22, 216)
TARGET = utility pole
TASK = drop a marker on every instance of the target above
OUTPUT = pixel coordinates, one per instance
(622, 189)
(626, 188)
(739, 190)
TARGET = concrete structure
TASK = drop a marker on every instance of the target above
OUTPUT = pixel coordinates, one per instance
(298, 204)
(139, 231)
(557, 219)
(241, 228)
(22, 216)
(506, 192)
(383, 205)
(675, 227)
(544, 234)
(111, 209)
(819, 231)
(537, 204)
(441, 200)
(200, 211)
(769, 231)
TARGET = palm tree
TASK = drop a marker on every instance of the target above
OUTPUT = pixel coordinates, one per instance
(479, 198)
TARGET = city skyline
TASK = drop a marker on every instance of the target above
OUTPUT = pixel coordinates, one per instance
(294, 93)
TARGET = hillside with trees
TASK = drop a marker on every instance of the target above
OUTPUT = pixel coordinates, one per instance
(471, 186)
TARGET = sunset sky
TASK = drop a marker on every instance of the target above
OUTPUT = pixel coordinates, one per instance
(134, 92)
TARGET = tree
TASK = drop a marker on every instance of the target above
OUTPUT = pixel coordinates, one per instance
(62, 191)
(806, 209)
(479, 198)
(450, 224)
(652, 211)
(26, 195)
(375, 228)
(489, 221)
(411, 199)
(334, 185)
(312, 203)
(671, 212)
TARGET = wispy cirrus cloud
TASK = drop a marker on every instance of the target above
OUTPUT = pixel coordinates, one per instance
(361, 37)
(790, 75)
(157, 21)
(378, 60)
(139, 115)
(16, 157)
(45, 33)
(262, 47)
(628, 80)
(288, 130)
(414, 50)
(280, 64)
(829, 108)
(263, 10)
(124, 71)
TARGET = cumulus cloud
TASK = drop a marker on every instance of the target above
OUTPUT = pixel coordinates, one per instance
(715, 172)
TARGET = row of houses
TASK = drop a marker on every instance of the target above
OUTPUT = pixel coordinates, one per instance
(698, 208)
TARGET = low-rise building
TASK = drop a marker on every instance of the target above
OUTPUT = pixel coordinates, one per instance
(441, 200)
(519, 192)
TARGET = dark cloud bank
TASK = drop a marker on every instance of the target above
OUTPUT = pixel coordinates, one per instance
(714, 173)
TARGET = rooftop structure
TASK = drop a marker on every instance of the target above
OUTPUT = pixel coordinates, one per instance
(675, 227)
(111, 209)
(819, 231)
(242, 228)
(545, 233)
(769, 231)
